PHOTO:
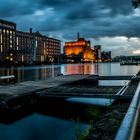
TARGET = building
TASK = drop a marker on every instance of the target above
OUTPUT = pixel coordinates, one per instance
(106, 56)
(7, 40)
(24, 52)
(26, 47)
(47, 49)
(81, 48)
(97, 53)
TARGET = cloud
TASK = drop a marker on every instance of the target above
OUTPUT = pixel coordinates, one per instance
(98, 19)
(119, 45)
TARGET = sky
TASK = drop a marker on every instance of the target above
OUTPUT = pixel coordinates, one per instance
(114, 24)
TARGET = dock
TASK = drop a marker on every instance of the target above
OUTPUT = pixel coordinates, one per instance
(21, 94)
(79, 89)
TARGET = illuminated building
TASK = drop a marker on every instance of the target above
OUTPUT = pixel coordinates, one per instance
(7, 40)
(47, 49)
(26, 47)
(79, 47)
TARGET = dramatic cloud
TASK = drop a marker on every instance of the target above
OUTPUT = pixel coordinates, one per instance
(113, 24)
(121, 45)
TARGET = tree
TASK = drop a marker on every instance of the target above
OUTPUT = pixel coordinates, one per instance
(135, 3)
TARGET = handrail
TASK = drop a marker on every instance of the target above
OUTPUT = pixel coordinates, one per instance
(129, 124)
(7, 77)
(122, 90)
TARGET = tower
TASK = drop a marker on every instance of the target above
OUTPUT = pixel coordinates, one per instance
(78, 36)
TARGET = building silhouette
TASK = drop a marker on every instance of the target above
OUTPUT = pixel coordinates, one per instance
(106, 56)
(97, 53)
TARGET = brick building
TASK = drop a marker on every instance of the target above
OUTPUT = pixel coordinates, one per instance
(26, 47)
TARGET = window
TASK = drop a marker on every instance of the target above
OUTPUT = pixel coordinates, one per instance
(11, 46)
(17, 41)
(0, 38)
(1, 49)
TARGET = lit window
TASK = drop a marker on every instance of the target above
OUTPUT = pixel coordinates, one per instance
(1, 38)
(11, 46)
(11, 59)
(17, 41)
(1, 49)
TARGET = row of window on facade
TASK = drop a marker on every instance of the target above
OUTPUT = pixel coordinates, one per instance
(26, 46)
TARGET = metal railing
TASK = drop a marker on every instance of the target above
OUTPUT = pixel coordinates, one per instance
(129, 124)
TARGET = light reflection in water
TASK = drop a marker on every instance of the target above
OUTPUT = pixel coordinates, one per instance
(42, 72)
(105, 69)
(86, 68)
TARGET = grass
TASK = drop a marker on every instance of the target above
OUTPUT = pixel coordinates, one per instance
(80, 133)
(93, 112)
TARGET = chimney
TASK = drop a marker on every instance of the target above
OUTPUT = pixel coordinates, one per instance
(78, 35)
(30, 30)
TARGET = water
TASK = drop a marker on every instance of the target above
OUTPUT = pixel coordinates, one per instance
(45, 71)
(40, 127)
(50, 127)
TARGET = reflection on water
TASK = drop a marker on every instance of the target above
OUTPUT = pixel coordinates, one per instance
(31, 72)
(78, 69)
(113, 82)
(105, 69)
(45, 71)
(91, 101)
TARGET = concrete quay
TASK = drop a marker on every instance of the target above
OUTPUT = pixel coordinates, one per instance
(22, 94)
(25, 93)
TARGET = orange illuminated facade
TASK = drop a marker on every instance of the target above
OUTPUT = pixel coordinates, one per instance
(81, 46)
(88, 55)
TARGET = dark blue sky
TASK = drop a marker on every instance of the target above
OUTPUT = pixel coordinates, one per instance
(112, 23)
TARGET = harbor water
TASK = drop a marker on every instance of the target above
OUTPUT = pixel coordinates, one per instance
(39, 126)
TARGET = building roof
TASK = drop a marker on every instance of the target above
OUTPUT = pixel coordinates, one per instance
(7, 22)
